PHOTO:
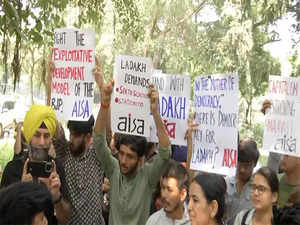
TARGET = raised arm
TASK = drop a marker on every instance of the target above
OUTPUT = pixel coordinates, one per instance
(51, 68)
(192, 126)
(99, 78)
(18, 142)
(105, 91)
(162, 134)
(160, 162)
(103, 153)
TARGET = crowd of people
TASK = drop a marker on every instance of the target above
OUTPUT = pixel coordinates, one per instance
(101, 178)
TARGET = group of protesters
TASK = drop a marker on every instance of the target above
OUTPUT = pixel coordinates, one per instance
(102, 178)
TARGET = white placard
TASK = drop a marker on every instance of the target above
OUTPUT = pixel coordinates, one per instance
(130, 105)
(216, 107)
(174, 105)
(72, 87)
(281, 134)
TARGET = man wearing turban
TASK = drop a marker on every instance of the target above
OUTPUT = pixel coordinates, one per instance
(39, 128)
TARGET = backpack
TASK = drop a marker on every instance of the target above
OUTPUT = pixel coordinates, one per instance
(245, 217)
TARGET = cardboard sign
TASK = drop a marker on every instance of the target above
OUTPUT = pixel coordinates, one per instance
(130, 105)
(215, 141)
(72, 87)
(174, 105)
(281, 133)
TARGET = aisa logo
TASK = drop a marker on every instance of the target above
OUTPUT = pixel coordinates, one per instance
(131, 125)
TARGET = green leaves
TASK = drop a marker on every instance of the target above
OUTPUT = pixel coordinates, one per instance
(129, 17)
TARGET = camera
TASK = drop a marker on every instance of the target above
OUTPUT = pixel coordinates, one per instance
(39, 168)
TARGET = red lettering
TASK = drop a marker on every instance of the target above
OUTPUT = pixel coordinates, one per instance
(225, 158)
(75, 55)
(171, 128)
(54, 53)
(60, 88)
(283, 87)
(229, 158)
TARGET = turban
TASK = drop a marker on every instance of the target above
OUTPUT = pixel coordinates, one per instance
(35, 116)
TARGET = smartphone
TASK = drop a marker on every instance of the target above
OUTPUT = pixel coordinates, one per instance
(39, 168)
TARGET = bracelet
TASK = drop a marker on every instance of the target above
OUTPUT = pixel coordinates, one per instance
(57, 200)
(105, 106)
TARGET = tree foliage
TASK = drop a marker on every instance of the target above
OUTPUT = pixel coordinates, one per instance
(177, 34)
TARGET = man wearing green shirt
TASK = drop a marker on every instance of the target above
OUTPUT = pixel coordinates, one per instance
(290, 165)
(131, 181)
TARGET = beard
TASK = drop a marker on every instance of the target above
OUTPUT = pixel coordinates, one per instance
(170, 207)
(79, 150)
(39, 153)
(130, 171)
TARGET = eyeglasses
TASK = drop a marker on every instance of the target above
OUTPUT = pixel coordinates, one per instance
(260, 188)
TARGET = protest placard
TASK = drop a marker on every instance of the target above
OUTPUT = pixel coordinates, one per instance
(281, 133)
(216, 108)
(130, 105)
(174, 105)
(72, 87)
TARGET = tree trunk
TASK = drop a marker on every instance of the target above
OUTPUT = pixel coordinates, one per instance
(31, 89)
(251, 110)
(5, 56)
(247, 113)
(31, 76)
(248, 120)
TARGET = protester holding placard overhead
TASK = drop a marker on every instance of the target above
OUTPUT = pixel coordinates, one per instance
(83, 174)
(281, 135)
(264, 195)
(239, 186)
(132, 182)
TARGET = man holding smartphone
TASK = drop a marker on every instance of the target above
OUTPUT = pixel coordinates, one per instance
(39, 128)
